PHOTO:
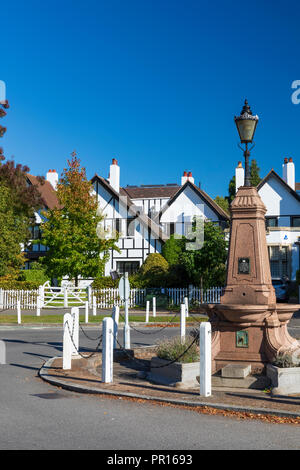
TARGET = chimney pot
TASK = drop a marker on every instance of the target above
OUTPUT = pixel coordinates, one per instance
(290, 159)
(285, 160)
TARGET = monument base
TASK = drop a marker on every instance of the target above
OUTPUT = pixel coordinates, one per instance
(250, 334)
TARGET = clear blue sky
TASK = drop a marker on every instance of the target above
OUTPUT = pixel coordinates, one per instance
(153, 83)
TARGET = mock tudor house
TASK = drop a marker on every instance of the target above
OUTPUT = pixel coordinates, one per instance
(281, 196)
(145, 216)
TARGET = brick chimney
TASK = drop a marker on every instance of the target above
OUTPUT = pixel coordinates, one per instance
(190, 177)
(288, 172)
(52, 177)
(184, 178)
(114, 175)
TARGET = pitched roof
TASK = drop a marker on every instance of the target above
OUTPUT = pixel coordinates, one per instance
(150, 223)
(274, 174)
(149, 192)
(46, 191)
(203, 195)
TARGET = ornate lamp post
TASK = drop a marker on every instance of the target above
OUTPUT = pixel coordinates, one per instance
(246, 125)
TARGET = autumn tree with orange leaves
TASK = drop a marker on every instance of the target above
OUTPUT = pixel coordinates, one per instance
(71, 231)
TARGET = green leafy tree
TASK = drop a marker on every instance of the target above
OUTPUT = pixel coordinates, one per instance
(223, 203)
(231, 190)
(12, 234)
(254, 173)
(206, 266)
(73, 232)
(172, 250)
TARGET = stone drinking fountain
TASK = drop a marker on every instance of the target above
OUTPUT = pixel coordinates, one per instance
(248, 326)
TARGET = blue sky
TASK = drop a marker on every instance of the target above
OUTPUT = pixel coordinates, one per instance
(153, 83)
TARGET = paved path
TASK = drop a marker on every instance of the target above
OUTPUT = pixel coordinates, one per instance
(35, 415)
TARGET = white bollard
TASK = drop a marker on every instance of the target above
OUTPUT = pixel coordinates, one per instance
(115, 317)
(38, 306)
(75, 330)
(182, 323)
(107, 350)
(205, 359)
(94, 306)
(154, 306)
(19, 311)
(147, 310)
(65, 297)
(186, 303)
(126, 327)
(86, 312)
(2, 352)
(67, 342)
(1, 299)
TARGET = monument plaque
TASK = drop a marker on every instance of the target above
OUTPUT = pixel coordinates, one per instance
(242, 340)
(244, 266)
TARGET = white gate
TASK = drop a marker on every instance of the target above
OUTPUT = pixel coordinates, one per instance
(62, 297)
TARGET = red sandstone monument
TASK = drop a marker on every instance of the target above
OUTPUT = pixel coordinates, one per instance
(248, 326)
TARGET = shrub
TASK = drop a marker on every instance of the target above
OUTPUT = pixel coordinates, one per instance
(285, 360)
(36, 274)
(171, 349)
(154, 270)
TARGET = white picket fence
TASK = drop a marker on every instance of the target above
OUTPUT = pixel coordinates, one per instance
(64, 297)
(106, 298)
(27, 298)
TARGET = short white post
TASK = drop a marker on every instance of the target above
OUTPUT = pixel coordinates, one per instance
(147, 310)
(1, 299)
(89, 294)
(75, 330)
(19, 311)
(86, 312)
(65, 297)
(186, 303)
(126, 327)
(42, 295)
(205, 359)
(182, 323)
(94, 306)
(154, 306)
(38, 306)
(107, 350)
(2, 352)
(67, 341)
(115, 317)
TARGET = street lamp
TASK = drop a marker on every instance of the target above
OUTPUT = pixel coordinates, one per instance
(246, 124)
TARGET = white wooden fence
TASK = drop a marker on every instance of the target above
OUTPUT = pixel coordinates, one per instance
(64, 297)
(106, 298)
(27, 298)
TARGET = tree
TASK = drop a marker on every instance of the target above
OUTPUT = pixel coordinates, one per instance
(254, 173)
(18, 203)
(172, 250)
(11, 236)
(231, 190)
(206, 266)
(223, 203)
(77, 245)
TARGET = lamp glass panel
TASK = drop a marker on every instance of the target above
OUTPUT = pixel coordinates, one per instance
(246, 128)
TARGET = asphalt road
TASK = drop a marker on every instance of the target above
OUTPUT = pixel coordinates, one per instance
(35, 415)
